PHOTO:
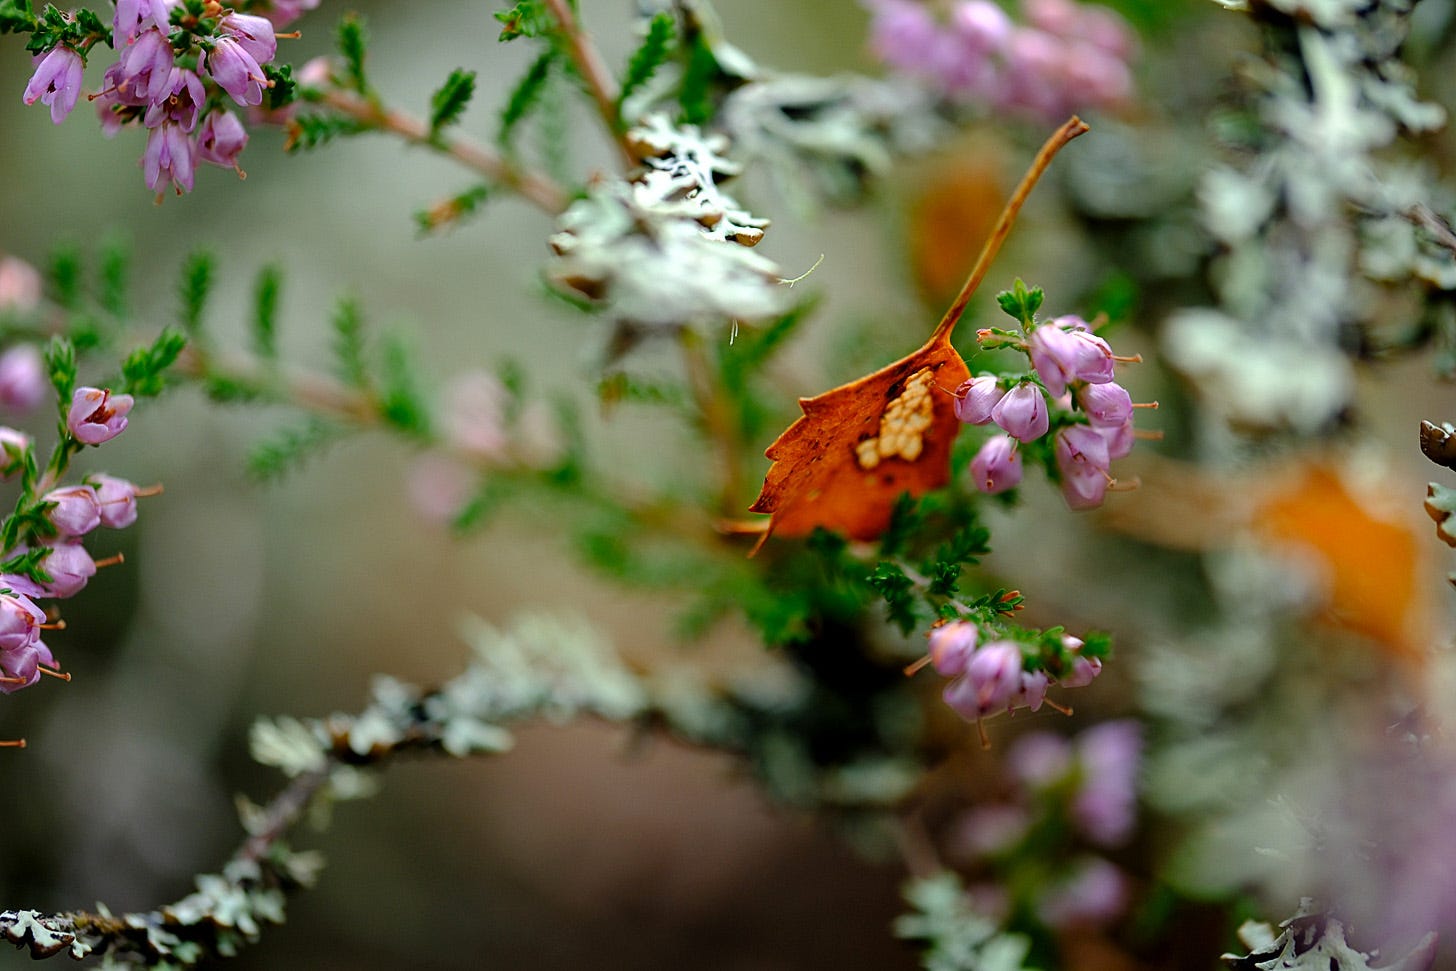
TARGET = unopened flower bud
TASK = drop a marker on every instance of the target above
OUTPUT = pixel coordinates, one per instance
(1022, 413)
(1082, 458)
(1106, 405)
(1094, 360)
(975, 398)
(997, 466)
(1054, 354)
(74, 510)
(19, 286)
(23, 382)
(69, 567)
(117, 498)
(951, 646)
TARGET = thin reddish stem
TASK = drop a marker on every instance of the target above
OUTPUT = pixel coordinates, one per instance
(1070, 129)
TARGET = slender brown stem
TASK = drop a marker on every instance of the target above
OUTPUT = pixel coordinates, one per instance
(532, 185)
(594, 71)
(1070, 129)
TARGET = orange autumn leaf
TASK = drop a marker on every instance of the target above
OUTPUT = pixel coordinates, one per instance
(858, 447)
(1371, 563)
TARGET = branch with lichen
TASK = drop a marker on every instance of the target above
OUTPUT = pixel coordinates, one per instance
(541, 668)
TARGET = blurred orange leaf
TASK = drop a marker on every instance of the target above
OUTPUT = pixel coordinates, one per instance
(1372, 563)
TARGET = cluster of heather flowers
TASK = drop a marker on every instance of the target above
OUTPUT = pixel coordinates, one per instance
(178, 64)
(1070, 798)
(45, 556)
(1067, 57)
(1003, 674)
(1068, 395)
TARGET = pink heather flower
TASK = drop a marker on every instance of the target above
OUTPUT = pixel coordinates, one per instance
(1094, 77)
(222, 139)
(997, 466)
(1022, 413)
(1083, 672)
(235, 70)
(440, 486)
(144, 69)
(254, 34)
(19, 286)
(117, 499)
(1032, 691)
(69, 567)
(985, 831)
(951, 646)
(902, 33)
(1039, 760)
(1060, 17)
(56, 81)
(285, 12)
(19, 584)
(114, 94)
(1083, 488)
(475, 415)
(1082, 458)
(13, 447)
(1034, 60)
(1105, 30)
(992, 676)
(24, 385)
(1094, 893)
(180, 103)
(1119, 438)
(24, 664)
(1094, 360)
(170, 159)
(96, 414)
(975, 398)
(1082, 445)
(1105, 806)
(317, 72)
(76, 510)
(1054, 354)
(981, 26)
(1106, 405)
(134, 16)
(20, 621)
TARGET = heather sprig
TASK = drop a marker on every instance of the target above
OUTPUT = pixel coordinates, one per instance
(1065, 409)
